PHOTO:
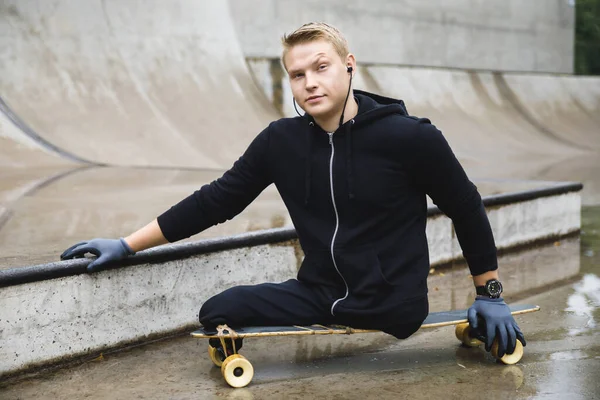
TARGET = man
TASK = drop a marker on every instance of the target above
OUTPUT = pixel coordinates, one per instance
(354, 173)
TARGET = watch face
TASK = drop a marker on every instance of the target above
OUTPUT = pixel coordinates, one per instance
(494, 288)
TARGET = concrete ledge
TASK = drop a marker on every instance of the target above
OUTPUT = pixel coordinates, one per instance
(35, 273)
(55, 312)
(515, 224)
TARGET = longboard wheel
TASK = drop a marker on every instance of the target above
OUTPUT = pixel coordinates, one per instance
(462, 333)
(508, 359)
(237, 371)
(460, 328)
(215, 356)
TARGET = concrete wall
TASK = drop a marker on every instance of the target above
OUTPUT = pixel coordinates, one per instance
(501, 35)
(162, 289)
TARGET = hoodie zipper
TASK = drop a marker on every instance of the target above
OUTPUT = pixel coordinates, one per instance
(337, 221)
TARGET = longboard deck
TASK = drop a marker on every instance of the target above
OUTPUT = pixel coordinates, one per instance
(433, 320)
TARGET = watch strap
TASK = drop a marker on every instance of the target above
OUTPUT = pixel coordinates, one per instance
(480, 290)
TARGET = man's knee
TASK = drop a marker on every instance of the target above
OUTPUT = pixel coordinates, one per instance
(206, 310)
(221, 308)
(403, 331)
(411, 321)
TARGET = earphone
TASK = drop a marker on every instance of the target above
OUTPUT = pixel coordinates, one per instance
(349, 69)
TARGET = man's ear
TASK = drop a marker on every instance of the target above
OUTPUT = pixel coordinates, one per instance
(351, 62)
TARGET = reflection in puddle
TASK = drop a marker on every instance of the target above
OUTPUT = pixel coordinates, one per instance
(588, 253)
(240, 394)
(568, 355)
(585, 301)
(513, 374)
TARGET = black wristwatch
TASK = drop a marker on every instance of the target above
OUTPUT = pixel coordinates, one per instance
(492, 289)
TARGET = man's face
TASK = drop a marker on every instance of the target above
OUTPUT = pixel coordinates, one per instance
(318, 77)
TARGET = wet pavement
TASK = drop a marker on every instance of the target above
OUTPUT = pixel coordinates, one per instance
(562, 357)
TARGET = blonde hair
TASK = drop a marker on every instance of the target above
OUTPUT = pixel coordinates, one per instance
(315, 31)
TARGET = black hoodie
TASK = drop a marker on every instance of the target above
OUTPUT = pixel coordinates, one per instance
(357, 198)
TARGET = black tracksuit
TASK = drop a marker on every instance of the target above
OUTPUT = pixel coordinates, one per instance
(357, 200)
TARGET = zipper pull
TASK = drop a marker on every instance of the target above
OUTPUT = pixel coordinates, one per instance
(330, 137)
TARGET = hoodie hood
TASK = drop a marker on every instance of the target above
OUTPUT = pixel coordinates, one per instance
(370, 107)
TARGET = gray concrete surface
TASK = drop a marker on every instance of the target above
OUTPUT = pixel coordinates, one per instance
(565, 107)
(118, 85)
(142, 83)
(498, 35)
(560, 362)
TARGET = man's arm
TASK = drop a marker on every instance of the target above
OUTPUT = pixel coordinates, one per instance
(224, 198)
(451, 190)
(444, 179)
(439, 173)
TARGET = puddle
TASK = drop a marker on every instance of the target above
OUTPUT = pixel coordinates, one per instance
(590, 240)
(584, 302)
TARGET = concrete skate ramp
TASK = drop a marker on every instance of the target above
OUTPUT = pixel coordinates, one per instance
(492, 121)
(17, 150)
(131, 83)
(566, 107)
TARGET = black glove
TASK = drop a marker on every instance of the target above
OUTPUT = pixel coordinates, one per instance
(106, 250)
(498, 323)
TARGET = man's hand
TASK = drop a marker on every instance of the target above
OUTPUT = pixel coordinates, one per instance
(106, 250)
(499, 323)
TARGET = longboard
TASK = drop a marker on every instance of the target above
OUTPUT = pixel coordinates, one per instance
(238, 371)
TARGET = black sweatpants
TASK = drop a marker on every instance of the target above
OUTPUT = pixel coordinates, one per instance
(295, 303)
